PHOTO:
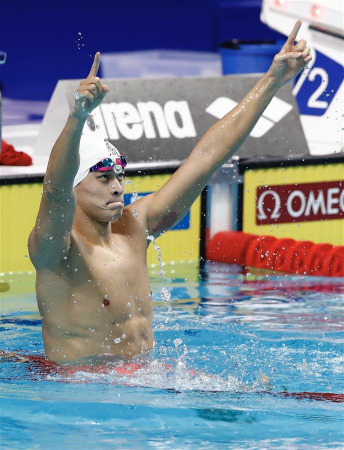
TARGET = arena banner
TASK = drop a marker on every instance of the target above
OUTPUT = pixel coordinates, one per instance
(163, 119)
(303, 201)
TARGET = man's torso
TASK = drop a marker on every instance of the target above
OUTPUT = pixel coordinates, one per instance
(98, 300)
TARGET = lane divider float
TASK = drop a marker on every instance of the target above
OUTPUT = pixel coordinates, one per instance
(282, 255)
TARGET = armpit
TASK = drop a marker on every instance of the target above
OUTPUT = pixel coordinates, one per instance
(166, 222)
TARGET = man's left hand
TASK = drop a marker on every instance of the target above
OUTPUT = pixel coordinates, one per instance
(289, 62)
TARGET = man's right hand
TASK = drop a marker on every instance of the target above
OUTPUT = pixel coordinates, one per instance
(90, 93)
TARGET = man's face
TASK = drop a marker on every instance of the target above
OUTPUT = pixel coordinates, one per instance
(101, 195)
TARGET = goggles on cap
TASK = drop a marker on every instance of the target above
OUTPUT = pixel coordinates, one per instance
(116, 164)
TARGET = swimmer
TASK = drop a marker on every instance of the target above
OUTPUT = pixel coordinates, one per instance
(89, 251)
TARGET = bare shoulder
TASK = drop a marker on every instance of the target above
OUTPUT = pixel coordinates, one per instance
(133, 221)
(49, 240)
(42, 254)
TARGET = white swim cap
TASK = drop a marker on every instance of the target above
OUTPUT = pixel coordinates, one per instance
(92, 149)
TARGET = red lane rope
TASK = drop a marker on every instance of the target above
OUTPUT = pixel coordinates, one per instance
(319, 396)
(282, 255)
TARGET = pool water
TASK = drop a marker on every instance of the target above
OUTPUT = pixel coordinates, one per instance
(241, 361)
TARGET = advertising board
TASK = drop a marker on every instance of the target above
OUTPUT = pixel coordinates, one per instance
(303, 202)
(182, 243)
(163, 119)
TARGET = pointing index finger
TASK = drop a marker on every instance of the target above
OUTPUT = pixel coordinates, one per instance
(292, 36)
(95, 65)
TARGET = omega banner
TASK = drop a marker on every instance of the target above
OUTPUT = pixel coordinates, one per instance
(303, 201)
(163, 119)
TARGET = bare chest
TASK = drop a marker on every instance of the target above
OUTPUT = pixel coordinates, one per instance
(97, 287)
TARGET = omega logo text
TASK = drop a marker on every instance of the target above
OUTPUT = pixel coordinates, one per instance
(303, 202)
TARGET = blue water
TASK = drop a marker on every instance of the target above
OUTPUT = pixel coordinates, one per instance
(228, 353)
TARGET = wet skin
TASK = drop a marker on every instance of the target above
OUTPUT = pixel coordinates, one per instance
(97, 299)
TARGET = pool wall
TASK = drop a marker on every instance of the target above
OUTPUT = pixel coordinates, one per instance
(301, 199)
(20, 199)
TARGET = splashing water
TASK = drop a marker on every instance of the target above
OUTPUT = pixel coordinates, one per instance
(165, 293)
(79, 42)
(76, 95)
(134, 195)
(178, 376)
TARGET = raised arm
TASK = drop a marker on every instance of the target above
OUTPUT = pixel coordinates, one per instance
(166, 206)
(50, 239)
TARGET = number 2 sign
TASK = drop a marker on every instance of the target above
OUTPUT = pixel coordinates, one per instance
(318, 89)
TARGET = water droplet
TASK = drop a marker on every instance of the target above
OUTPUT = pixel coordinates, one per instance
(177, 342)
(117, 340)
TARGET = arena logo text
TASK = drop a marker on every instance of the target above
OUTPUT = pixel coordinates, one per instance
(113, 120)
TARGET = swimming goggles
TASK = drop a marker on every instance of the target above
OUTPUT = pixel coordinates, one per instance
(117, 165)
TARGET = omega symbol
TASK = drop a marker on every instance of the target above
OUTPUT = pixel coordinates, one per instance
(276, 212)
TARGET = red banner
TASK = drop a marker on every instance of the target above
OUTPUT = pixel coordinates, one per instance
(303, 202)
